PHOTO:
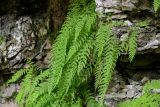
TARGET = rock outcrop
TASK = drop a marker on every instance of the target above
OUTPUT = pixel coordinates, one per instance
(139, 14)
(22, 38)
(133, 12)
(25, 28)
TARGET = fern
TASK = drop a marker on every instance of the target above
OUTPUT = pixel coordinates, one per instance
(156, 5)
(129, 43)
(108, 52)
(70, 54)
(132, 44)
(17, 76)
(90, 100)
(108, 67)
(79, 53)
(102, 35)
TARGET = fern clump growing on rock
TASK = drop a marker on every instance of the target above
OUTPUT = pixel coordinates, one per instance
(80, 54)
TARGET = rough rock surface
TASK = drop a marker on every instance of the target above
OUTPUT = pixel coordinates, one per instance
(148, 38)
(119, 6)
(24, 26)
(132, 12)
(7, 95)
(21, 38)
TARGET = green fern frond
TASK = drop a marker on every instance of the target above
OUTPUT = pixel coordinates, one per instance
(111, 56)
(77, 104)
(83, 29)
(17, 76)
(76, 66)
(98, 73)
(60, 49)
(156, 5)
(103, 34)
(108, 50)
(124, 43)
(90, 99)
(25, 88)
(21, 73)
(133, 44)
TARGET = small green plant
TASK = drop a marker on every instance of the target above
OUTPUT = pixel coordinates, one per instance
(148, 99)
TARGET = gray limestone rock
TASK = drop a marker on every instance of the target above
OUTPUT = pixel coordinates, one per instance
(22, 39)
(119, 6)
(7, 92)
(9, 104)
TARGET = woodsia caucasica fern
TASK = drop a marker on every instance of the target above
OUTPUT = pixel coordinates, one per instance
(79, 54)
(59, 86)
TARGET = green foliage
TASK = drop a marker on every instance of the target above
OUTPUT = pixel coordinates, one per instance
(148, 99)
(106, 59)
(133, 43)
(2, 39)
(144, 23)
(28, 74)
(80, 54)
(156, 5)
(129, 42)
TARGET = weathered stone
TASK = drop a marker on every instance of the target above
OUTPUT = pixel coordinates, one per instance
(128, 5)
(9, 91)
(9, 104)
(119, 16)
(148, 38)
(115, 96)
(130, 93)
(128, 23)
(111, 3)
(23, 39)
(99, 9)
(112, 11)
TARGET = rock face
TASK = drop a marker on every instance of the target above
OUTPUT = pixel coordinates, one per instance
(21, 39)
(119, 6)
(24, 27)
